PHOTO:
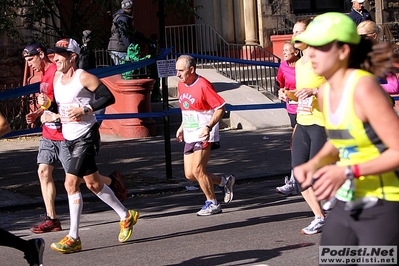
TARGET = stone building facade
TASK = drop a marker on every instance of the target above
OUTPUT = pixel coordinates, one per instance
(254, 21)
(238, 21)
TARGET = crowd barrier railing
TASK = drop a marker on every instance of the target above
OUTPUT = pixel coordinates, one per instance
(118, 69)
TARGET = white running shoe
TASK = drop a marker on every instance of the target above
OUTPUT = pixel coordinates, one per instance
(209, 208)
(314, 227)
(228, 188)
(289, 188)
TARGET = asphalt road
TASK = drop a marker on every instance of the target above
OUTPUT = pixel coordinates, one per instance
(259, 227)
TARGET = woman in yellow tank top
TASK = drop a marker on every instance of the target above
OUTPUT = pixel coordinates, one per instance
(359, 163)
(309, 134)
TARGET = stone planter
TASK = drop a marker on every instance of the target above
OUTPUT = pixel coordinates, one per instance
(132, 96)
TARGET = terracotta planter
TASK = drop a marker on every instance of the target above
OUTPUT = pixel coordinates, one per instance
(132, 96)
(278, 43)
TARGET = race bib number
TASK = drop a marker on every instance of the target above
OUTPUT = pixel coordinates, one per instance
(305, 106)
(190, 120)
(63, 112)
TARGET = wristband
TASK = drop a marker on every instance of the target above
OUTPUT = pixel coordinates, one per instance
(47, 106)
(356, 171)
(209, 127)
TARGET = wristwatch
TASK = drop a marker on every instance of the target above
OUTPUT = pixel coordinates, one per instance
(86, 109)
(349, 173)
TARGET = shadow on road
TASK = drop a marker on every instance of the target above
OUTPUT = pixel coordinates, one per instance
(247, 257)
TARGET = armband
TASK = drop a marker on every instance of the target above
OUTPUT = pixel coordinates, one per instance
(104, 98)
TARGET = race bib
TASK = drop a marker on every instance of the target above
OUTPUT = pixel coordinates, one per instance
(190, 120)
(63, 112)
(347, 191)
(52, 125)
(305, 106)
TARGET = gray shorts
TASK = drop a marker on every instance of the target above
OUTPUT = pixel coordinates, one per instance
(53, 151)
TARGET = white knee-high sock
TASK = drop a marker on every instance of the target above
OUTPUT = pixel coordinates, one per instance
(111, 200)
(75, 211)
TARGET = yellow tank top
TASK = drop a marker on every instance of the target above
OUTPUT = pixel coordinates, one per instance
(306, 78)
(357, 142)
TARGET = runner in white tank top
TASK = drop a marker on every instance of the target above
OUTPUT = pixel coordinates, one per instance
(69, 95)
(75, 91)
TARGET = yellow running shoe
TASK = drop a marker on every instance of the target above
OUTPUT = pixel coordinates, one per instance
(67, 245)
(127, 226)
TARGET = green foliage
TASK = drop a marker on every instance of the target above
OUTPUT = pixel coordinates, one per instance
(42, 19)
(7, 17)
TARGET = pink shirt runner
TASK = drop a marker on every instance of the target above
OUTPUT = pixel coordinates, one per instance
(392, 85)
(286, 78)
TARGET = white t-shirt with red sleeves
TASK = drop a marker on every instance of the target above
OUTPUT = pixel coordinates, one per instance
(198, 103)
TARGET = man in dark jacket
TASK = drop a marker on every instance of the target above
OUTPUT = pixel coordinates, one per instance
(358, 13)
(87, 57)
(122, 32)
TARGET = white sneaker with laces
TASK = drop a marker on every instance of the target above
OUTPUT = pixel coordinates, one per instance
(314, 227)
(289, 188)
(228, 188)
(209, 208)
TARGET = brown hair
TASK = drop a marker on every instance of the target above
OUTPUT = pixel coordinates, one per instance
(379, 58)
(305, 21)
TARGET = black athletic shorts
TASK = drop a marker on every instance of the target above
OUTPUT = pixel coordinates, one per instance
(83, 152)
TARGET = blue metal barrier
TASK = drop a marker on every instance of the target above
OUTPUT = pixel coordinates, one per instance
(113, 70)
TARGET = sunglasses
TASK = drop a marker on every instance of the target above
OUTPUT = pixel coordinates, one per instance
(366, 35)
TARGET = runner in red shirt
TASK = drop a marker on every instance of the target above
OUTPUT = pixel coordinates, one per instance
(202, 109)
